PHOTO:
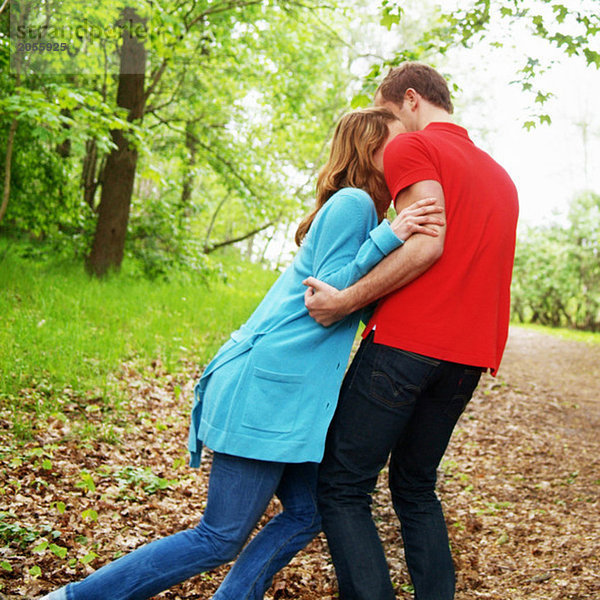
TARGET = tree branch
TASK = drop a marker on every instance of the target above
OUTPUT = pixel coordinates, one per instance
(214, 218)
(213, 247)
(211, 151)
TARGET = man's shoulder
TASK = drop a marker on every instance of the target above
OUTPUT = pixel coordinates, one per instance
(408, 139)
(407, 144)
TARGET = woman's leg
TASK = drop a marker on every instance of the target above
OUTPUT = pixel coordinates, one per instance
(238, 494)
(280, 539)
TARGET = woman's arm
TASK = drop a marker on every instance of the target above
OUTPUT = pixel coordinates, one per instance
(340, 259)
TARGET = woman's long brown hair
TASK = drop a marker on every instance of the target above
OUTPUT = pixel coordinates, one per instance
(358, 136)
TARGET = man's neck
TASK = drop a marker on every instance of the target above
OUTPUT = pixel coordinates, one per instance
(433, 114)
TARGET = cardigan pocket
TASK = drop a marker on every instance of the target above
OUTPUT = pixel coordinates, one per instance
(273, 401)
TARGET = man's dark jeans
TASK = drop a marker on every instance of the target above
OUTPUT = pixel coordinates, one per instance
(405, 404)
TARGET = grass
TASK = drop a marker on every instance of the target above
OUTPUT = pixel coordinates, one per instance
(60, 328)
(567, 334)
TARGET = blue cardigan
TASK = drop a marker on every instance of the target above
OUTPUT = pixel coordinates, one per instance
(271, 390)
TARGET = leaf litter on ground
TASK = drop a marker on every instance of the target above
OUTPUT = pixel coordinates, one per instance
(520, 486)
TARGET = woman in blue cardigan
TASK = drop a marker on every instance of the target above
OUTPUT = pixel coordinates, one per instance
(265, 401)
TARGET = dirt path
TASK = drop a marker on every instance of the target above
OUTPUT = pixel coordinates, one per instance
(520, 486)
(559, 371)
(529, 446)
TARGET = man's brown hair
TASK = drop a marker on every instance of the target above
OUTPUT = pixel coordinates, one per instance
(425, 80)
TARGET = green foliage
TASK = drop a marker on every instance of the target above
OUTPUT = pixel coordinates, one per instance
(248, 131)
(235, 124)
(159, 241)
(131, 477)
(572, 29)
(14, 533)
(556, 278)
(89, 514)
(43, 198)
(86, 482)
(57, 550)
(390, 14)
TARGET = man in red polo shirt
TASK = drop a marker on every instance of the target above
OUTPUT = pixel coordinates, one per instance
(441, 321)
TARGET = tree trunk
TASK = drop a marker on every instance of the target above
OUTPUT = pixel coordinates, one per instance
(88, 173)
(8, 167)
(119, 173)
(23, 16)
(191, 146)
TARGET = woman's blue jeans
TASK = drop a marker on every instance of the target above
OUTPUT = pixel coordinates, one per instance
(239, 491)
(403, 404)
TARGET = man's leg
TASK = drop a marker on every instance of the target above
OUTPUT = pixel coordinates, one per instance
(377, 401)
(280, 539)
(413, 469)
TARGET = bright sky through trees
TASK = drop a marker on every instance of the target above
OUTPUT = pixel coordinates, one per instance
(550, 163)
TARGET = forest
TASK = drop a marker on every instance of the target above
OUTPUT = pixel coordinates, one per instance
(155, 159)
(209, 129)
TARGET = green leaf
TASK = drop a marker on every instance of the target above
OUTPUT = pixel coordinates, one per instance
(541, 97)
(86, 482)
(88, 558)
(389, 20)
(40, 547)
(561, 12)
(35, 571)
(502, 539)
(60, 551)
(360, 101)
(592, 57)
(391, 15)
(90, 514)
(6, 566)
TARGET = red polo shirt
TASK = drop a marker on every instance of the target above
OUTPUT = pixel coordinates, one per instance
(459, 309)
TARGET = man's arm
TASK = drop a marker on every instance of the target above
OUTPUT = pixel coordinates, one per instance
(327, 305)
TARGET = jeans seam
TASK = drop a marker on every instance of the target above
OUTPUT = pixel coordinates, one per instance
(423, 383)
